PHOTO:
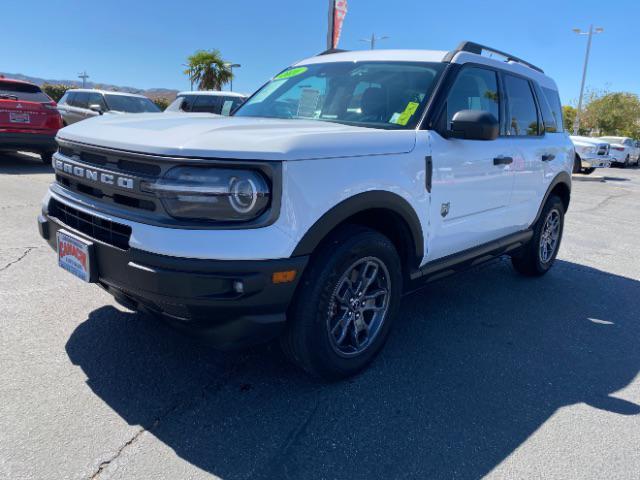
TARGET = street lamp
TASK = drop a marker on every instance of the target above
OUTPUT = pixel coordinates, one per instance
(590, 33)
(372, 41)
(231, 67)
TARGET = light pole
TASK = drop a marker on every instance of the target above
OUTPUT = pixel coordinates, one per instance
(231, 67)
(590, 33)
(84, 77)
(372, 41)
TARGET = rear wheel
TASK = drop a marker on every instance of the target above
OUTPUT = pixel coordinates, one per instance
(626, 162)
(345, 304)
(46, 157)
(538, 256)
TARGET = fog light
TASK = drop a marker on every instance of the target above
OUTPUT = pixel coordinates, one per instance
(283, 277)
(238, 286)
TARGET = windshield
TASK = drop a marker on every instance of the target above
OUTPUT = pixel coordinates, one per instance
(367, 94)
(22, 91)
(123, 103)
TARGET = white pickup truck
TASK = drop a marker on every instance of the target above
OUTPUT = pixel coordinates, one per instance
(591, 153)
(347, 180)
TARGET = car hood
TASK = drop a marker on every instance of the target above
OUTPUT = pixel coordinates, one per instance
(246, 138)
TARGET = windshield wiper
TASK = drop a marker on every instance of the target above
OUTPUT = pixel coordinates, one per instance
(6, 96)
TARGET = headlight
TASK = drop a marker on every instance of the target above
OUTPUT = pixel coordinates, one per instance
(214, 194)
(589, 149)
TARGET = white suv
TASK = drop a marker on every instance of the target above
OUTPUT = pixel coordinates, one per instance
(624, 150)
(347, 180)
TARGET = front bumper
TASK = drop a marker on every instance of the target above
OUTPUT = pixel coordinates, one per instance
(39, 142)
(198, 296)
(596, 162)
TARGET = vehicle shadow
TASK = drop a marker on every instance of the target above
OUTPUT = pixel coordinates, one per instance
(18, 163)
(475, 365)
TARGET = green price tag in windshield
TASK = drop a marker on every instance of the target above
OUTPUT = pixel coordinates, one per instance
(294, 72)
(404, 117)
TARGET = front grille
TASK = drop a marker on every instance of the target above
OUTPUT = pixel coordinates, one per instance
(106, 231)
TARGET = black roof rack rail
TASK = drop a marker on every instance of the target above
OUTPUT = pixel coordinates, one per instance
(330, 51)
(476, 48)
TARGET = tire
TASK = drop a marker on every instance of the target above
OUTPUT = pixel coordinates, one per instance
(46, 157)
(626, 162)
(314, 338)
(532, 260)
(577, 165)
(588, 171)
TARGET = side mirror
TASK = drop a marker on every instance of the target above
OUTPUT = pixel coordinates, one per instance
(96, 108)
(474, 125)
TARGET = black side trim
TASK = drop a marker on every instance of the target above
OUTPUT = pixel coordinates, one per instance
(357, 204)
(471, 257)
(429, 173)
(562, 177)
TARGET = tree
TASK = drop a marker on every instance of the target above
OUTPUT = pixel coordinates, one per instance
(208, 70)
(613, 114)
(161, 102)
(569, 115)
(55, 90)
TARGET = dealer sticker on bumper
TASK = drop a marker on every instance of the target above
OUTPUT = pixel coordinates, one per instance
(74, 255)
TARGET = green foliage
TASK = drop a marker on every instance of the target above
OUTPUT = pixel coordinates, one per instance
(161, 102)
(55, 91)
(569, 115)
(208, 70)
(613, 114)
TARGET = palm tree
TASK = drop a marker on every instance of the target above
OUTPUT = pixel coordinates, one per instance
(208, 70)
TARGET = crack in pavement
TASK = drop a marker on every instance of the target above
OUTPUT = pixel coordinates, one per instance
(215, 385)
(19, 259)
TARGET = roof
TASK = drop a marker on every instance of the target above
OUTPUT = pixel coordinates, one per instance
(214, 93)
(456, 56)
(95, 90)
(15, 80)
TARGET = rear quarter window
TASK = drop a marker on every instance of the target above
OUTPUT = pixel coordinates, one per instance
(23, 91)
(553, 99)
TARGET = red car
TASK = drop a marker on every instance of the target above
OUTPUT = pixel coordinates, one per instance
(29, 119)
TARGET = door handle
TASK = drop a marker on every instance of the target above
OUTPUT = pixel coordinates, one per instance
(547, 157)
(502, 160)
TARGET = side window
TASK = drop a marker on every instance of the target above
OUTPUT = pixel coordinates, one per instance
(556, 107)
(81, 100)
(207, 103)
(97, 99)
(65, 99)
(474, 89)
(522, 114)
(187, 103)
(548, 118)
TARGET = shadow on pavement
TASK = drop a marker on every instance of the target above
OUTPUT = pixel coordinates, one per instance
(476, 364)
(22, 164)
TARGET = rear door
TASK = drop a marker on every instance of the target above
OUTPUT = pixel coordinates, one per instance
(22, 107)
(472, 179)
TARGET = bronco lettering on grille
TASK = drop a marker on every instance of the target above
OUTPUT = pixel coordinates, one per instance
(94, 175)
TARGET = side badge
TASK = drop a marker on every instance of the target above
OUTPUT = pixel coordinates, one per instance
(444, 209)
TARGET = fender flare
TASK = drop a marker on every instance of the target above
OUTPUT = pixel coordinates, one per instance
(561, 178)
(373, 199)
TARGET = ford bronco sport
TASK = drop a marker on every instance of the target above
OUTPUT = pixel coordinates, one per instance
(345, 181)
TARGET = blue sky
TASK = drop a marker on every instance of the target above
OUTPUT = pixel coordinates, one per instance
(142, 43)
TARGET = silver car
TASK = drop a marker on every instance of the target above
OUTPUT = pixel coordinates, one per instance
(80, 104)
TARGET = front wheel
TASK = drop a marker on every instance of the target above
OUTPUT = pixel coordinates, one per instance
(538, 256)
(345, 304)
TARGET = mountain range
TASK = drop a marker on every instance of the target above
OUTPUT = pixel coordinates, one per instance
(152, 93)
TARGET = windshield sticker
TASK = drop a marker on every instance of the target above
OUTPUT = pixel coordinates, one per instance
(404, 117)
(294, 72)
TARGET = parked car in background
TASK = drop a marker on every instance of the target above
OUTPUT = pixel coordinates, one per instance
(591, 153)
(29, 119)
(80, 104)
(219, 103)
(624, 151)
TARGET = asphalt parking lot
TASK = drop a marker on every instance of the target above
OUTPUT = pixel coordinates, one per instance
(487, 373)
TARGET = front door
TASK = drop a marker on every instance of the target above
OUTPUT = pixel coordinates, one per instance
(472, 179)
